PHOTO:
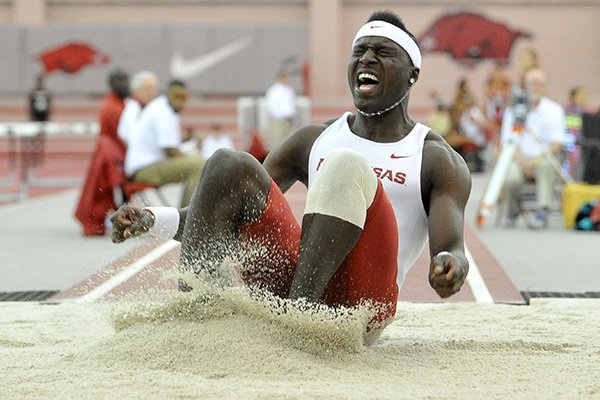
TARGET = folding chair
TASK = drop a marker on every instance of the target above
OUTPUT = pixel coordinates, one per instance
(136, 192)
(527, 197)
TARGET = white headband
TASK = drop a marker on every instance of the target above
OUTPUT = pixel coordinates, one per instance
(392, 32)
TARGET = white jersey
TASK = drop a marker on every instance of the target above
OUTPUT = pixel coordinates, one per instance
(398, 167)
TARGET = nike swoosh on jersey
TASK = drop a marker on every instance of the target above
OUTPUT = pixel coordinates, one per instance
(394, 156)
(185, 69)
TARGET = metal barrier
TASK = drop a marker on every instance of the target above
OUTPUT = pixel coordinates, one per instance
(26, 145)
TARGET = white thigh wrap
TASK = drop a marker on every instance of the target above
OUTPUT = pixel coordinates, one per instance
(344, 187)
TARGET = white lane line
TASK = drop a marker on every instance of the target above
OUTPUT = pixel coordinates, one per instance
(476, 282)
(474, 278)
(127, 273)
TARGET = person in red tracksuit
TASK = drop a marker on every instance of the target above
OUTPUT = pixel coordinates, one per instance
(106, 167)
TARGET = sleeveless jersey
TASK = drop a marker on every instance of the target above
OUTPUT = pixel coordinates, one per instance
(398, 167)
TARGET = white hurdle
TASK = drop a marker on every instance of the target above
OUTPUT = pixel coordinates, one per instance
(25, 142)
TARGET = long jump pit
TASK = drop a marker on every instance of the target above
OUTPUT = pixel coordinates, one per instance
(128, 333)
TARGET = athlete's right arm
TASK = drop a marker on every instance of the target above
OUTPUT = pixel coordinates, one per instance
(288, 162)
(129, 222)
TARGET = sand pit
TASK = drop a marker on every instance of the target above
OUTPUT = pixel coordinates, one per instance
(168, 349)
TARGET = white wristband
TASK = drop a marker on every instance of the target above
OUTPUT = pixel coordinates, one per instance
(166, 222)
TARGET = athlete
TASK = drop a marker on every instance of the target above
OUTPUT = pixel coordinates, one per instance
(379, 185)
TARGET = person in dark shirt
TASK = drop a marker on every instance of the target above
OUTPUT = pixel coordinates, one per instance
(40, 100)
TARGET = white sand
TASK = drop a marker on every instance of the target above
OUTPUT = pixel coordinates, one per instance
(179, 347)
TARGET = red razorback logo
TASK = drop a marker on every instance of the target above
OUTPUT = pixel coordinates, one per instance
(72, 57)
(470, 38)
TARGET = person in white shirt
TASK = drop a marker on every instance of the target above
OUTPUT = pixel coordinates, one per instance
(153, 151)
(214, 141)
(280, 102)
(144, 88)
(544, 126)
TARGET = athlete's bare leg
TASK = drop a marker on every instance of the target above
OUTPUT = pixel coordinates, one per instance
(324, 244)
(333, 222)
(233, 190)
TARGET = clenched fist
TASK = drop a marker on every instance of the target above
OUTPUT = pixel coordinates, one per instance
(447, 273)
(128, 222)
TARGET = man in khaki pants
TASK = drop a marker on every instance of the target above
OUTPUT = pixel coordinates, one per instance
(544, 127)
(280, 101)
(153, 153)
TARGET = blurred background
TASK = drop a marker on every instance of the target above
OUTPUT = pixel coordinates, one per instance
(248, 41)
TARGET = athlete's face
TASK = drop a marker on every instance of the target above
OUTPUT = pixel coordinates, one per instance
(378, 73)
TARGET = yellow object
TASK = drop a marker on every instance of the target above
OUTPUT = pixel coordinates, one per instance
(574, 195)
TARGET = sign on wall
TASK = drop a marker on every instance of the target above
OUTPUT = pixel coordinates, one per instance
(215, 60)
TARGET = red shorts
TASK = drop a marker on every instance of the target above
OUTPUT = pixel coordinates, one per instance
(367, 274)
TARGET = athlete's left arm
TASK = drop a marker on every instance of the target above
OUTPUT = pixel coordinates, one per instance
(447, 185)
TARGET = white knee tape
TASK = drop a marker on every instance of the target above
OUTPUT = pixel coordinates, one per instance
(344, 187)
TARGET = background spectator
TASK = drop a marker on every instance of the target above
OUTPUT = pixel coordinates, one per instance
(439, 120)
(473, 125)
(40, 101)
(468, 128)
(497, 93)
(280, 102)
(106, 167)
(215, 140)
(528, 59)
(113, 105)
(153, 153)
(544, 128)
(576, 106)
(144, 88)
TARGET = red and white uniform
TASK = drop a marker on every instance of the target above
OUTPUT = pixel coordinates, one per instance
(370, 270)
(398, 167)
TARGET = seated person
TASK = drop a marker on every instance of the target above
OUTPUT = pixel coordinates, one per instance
(153, 153)
(468, 127)
(439, 120)
(144, 88)
(543, 136)
(473, 125)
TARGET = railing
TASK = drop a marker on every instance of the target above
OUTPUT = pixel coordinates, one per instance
(26, 146)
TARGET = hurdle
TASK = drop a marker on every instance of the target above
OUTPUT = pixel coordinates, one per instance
(25, 151)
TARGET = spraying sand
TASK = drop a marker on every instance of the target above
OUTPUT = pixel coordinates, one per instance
(185, 345)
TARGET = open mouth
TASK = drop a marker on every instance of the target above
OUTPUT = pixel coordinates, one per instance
(367, 82)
